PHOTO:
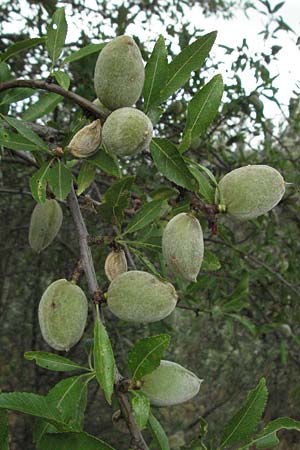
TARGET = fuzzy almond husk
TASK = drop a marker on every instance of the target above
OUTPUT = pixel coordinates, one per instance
(86, 141)
(45, 223)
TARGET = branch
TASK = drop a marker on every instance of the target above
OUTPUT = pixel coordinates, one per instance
(52, 87)
(138, 441)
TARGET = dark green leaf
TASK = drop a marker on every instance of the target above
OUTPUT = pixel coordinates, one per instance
(54, 362)
(145, 355)
(205, 188)
(145, 261)
(26, 132)
(15, 141)
(4, 445)
(20, 46)
(160, 437)
(191, 58)
(104, 361)
(72, 441)
(38, 182)
(164, 193)
(244, 422)
(85, 177)
(141, 408)
(15, 95)
(197, 444)
(245, 322)
(85, 51)
(62, 78)
(155, 74)
(60, 179)
(106, 162)
(56, 35)
(43, 106)
(145, 215)
(171, 164)
(210, 262)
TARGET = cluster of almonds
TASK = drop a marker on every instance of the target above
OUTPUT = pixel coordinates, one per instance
(138, 296)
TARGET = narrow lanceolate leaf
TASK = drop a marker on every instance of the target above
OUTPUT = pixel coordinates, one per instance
(54, 362)
(145, 261)
(145, 215)
(205, 188)
(85, 51)
(141, 408)
(46, 104)
(24, 130)
(4, 431)
(57, 32)
(171, 164)
(38, 182)
(268, 437)
(15, 141)
(31, 404)
(104, 361)
(191, 58)
(72, 441)
(155, 74)
(21, 46)
(62, 78)
(245, 421)
(201, 111)
(160, 437)
(106, 162)
(60, 179)
(145, 355)
(16, 95)
(85, 177)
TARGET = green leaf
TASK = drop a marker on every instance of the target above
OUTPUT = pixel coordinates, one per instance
(26, 132)
(72, 441)
(15, 141)
(115, 200)
(54, 362)
(190, 59)
(210, 262)
(205, 188)
(16, 95)
(4, 436)
(38, 182)
(141, 408)
(245, 322)
(202, 110)
(56, 35)
(60, 179)
(62, 78)
(106, 162)
(145, 355)
(20, 46)
(85, 177)
(104, 361)
(43, 106)
(145, 261)
(85, 51)
(197, 444)
(155, 74)
(245, 421)
(171, 164)
(160, 437)
(145, 215)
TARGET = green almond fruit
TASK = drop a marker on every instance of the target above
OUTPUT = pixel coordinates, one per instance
(126, 132)
(138, 296)
(250, 191)
(45, 223)
(62, 314)
(183, 247)
(170, 384)
(119, 73)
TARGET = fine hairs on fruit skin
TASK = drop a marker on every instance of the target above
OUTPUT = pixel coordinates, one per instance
(170, 384)
(138, 296)
(86, 141)
(127, 131)
(62, 314)
(183, 246)
(115, 264)
(119, 73)
(45, 223)
(250, 191)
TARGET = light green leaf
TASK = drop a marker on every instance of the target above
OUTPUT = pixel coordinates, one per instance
(85, 177)
(85, 51)
(149, 212)
(15, 141)
(244, 422)
(201, 111)
(16, 95)
(57, 32)
(60, 180)
(20, 46)
(210, 262)
(146, 354)
(43, 106)
(72, 441)
(171, 164)
(26, 132)
(190, 59)
(158, 433)
(4, 436)
(38, 182)
(54, 362)
(62, 78)
(155, 74)
(145, 261)
(141, 408)
(106, 162)
(104, 361)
